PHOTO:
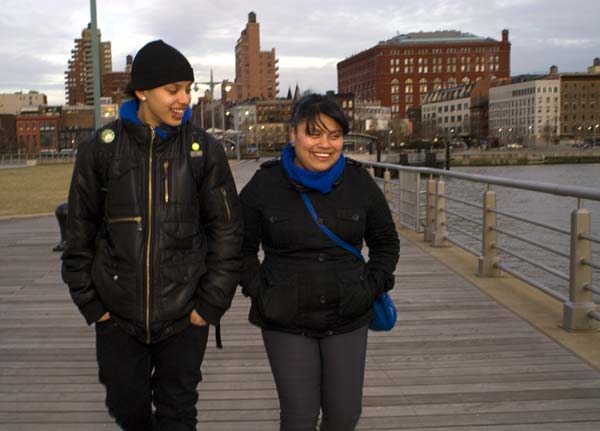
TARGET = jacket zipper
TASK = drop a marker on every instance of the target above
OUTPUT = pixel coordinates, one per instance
(227, 209)
(166, 172)
(137, 220)
(149, 236)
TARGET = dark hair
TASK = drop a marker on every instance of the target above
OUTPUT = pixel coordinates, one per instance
(309, 107)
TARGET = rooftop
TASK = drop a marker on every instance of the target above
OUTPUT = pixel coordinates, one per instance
(442, 36)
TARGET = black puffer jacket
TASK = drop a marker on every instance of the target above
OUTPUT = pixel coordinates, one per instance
(147, 239)
(306, 283)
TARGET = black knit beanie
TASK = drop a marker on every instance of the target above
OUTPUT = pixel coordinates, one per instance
(157, 64)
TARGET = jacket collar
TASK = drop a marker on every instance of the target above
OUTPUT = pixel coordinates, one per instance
(128, 113)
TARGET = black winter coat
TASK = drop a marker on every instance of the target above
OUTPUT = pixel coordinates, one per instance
(306, 283)
(147, 240)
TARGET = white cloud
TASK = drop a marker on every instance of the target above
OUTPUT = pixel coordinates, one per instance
(309, 38)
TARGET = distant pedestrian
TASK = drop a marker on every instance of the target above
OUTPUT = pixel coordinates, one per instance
(311, 297)
(153, 245)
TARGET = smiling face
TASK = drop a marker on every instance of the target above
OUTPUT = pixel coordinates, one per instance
(165, 104)
(318, 144)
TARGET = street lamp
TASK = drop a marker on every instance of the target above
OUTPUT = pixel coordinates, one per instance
(595, 131)
(211, 85)
(529, 136)
(388, 144)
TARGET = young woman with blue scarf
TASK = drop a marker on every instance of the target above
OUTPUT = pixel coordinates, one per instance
(312, 298)
(153, 244)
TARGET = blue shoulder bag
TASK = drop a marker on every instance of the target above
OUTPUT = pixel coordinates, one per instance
(384, 310)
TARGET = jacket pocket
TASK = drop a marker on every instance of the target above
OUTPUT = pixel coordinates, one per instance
(350, 224)
(178, 285)
(277, 298)
(124, 185)
(355, 295)
(115, 285)
(179, 236)
(277, 229)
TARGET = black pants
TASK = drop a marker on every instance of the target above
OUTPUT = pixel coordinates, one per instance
(314, 374)
(138, 375)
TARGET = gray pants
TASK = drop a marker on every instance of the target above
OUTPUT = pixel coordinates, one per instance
(315, 374)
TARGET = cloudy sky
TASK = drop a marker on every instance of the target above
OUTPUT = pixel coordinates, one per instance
(309, 36)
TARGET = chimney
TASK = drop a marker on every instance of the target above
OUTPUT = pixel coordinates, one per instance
(505, 35)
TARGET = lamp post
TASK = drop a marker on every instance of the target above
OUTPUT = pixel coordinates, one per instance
(448, 149)
(595, 131)
(529, 136)
(211, 85)
(237, 133)
(262, 135)
(500, 136)
(388, 143)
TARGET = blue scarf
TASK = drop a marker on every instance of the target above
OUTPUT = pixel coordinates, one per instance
(321, 181)
(129, 112)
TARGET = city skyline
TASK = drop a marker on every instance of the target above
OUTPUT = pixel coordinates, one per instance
(308, 45)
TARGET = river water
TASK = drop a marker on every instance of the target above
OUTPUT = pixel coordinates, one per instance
(549, 209)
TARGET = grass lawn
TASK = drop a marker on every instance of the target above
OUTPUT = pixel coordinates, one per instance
(35, 189)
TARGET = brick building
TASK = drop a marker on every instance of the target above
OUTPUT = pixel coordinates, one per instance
(114, 83)
(79, 76)
(399, 72)
(255, 70)
(14, 102)
(8, 134)
(580, 104)
(37, 130)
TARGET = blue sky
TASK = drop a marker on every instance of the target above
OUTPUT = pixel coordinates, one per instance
(309, 37)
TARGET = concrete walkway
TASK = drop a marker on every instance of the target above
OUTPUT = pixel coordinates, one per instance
(456, 361)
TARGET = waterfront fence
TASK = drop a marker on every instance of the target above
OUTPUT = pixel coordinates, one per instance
(422, 206)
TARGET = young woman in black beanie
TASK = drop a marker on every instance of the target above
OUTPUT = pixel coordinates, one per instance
(153, 244)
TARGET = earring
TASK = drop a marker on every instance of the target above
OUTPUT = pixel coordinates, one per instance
(143, 98)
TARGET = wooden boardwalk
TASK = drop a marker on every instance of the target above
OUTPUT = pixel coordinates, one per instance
(456, 361)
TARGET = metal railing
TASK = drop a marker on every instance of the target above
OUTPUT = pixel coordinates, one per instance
(580, 312)
(23, 158)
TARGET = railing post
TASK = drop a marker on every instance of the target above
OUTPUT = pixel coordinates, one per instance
(387, 186)
(576, 310)
(371, 170)
(440, 236)
(430, 211)
(488, 257)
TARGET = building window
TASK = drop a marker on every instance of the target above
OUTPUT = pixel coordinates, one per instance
(408, 86)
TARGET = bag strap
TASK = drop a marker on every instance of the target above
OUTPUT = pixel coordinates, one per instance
(198, 162)
(339, 241)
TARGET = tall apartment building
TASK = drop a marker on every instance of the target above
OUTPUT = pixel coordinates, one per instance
(399, 72)
(526, 111)
(79, 77)
(255, 70)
